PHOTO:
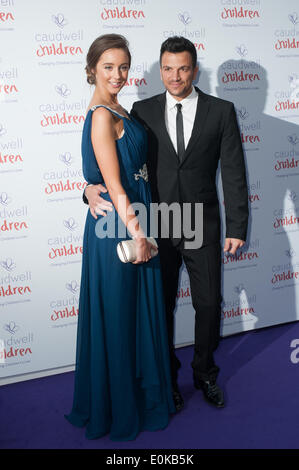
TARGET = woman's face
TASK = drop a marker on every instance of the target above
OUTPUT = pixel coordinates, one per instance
(112, 70)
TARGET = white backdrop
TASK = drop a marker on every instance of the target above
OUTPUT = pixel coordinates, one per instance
(248, 53)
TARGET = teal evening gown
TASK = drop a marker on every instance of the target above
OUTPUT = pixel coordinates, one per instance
(122, 376)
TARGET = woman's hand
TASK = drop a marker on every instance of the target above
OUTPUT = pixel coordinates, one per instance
(143, 251)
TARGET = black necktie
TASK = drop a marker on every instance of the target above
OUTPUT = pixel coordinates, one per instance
(180, 132)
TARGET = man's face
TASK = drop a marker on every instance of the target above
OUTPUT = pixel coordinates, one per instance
(177, 73)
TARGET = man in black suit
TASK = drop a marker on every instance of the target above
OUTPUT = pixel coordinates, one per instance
(189, 132)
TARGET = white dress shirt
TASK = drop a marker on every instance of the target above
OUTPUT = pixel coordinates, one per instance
(189, 105)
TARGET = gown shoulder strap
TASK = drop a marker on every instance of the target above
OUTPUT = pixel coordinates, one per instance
(93, 108)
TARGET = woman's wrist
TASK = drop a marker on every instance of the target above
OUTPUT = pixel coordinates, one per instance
(140, 239)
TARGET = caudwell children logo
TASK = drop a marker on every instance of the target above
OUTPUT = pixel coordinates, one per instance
(286, 219)
(15, 344)
(67, 306)
(287, 273)
(62, 42)
(11, 151)
(13, 220)
(241, 308)
(68, 180)
(185, 27)
(122, 12)
(287, 158)
(288, 100)
(286, 39)
(66, 247)
(236, 75)
(240, 13)
(250, 129)
(14, 285)
(60, 116)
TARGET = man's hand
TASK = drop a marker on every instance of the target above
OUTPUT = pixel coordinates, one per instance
(232, 244)
(97, 204)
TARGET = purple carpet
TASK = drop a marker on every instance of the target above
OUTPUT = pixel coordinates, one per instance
(262, 403)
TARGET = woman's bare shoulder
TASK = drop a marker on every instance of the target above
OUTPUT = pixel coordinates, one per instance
(102, 117)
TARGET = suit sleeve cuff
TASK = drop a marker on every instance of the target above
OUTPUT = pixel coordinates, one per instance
(85, 200)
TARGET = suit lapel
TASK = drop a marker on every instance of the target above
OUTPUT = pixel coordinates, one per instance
(199, 122)
(163, 130)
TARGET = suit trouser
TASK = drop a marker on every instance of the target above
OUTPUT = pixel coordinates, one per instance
(204, 269)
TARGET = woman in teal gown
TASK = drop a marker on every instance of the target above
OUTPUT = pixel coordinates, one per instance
(122, 376)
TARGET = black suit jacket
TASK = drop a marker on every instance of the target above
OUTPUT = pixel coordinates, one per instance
(215, 137)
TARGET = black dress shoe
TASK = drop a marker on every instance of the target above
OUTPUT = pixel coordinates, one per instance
(178, 399)
(212, 392)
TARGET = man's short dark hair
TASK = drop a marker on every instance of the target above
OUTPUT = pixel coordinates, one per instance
(177, 44)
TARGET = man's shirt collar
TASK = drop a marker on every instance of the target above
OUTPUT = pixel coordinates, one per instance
(171, 101)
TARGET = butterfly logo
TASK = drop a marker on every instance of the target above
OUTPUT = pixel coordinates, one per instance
(72, 286)
(294, 86)
(11, 327)
(8, 264)
(238, 289)
(66, 158)
(59, 20)
(241, 50)
(70, 224)
(2, 130)
(292, 196)
(242, 113)
(290, 253)
(293, 139)
(4, 199)
(185, 18)
(63, 90)
(293, 17)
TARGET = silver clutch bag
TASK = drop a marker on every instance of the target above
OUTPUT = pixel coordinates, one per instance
(126, 250)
